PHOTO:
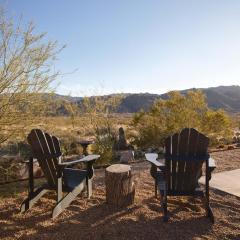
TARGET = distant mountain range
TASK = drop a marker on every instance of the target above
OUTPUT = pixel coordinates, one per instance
(224, 97)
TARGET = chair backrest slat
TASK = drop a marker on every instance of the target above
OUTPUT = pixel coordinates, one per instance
(43, 149)
(56, 144)
(192, 166)
(202, 146)
(52, 149)
(173, 164)
(185, 153)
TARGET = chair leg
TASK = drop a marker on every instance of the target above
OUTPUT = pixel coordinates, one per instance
(165, 213)
(89, 187)
(164, 205)
(209, 212)
(66, 201)
(32, 199)
(208, 209)
(59, 189)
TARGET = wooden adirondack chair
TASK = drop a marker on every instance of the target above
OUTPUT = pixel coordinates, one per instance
(179, 172)
(46, 150)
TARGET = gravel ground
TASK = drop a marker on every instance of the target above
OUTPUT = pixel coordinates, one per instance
(227, 160)
(94, 219)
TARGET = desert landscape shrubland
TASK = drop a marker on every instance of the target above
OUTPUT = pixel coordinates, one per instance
(96, 119)
(148, 62)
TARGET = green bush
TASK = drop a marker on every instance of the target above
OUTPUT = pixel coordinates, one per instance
(69, 146)
(24, 149)
(104, 140)
(177, 112)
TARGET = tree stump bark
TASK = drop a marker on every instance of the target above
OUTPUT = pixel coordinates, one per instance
(120, 189)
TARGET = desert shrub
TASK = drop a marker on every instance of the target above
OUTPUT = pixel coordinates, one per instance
(24, 149)
(9, 169)
(149, 131)
(26, 73)
(20, 148)
(69, 146)
(10, 148)
(98, 111)
(104, 139)
(217, 125)
(179, 111)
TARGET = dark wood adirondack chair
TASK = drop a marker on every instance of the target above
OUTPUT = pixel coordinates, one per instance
(46, 150)
(179, 172)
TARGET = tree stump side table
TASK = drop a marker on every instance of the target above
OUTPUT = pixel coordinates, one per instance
(120, 189)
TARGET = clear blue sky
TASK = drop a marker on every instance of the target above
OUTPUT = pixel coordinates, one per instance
(140, 45)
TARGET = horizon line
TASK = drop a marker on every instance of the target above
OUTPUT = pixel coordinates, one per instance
(148, 92)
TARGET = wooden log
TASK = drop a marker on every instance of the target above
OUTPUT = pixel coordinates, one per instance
(120, 189)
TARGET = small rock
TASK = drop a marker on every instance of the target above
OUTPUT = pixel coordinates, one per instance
(23, 170)
(234, 139)
(230, 147)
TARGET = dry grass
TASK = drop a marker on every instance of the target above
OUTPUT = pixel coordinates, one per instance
(64, 128)
(94, 219)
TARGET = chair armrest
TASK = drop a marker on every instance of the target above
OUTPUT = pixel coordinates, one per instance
(211, 163)
(87, 159)
(152, 158)
(211, 166)
(28, 161)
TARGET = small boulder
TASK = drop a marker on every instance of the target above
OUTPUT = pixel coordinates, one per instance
(230, 147)
(23, 170)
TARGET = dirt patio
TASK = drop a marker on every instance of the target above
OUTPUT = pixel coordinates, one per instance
(94, 219)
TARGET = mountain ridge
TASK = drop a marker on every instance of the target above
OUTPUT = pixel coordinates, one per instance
(224, 97)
